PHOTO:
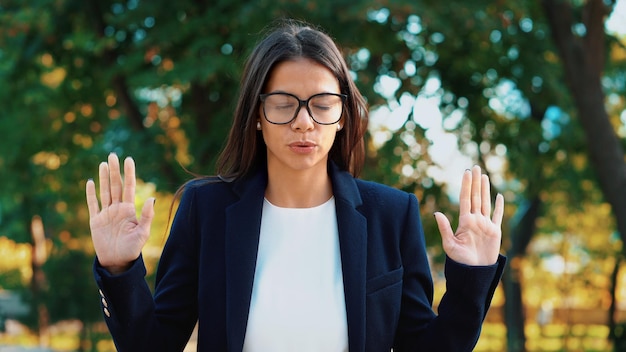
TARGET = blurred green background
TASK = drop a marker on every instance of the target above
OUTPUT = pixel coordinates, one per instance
(533, 91)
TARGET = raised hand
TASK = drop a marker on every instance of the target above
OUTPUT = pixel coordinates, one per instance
(477, 239)
(118, 236)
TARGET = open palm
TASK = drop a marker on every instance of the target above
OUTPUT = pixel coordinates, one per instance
(118, 236)
(478, 237)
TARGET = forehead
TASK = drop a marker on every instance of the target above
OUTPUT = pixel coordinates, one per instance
(302, 77)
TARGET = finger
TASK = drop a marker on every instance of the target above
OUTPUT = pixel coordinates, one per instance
(105, 190)
(129, 181)
(92, 199)
(476, 193)
(498, 212)
(147, 214)
(464, 198)
(116, 178)
(445, 229)
(486, 195)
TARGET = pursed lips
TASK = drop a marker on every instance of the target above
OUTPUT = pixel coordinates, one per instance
(302, 147)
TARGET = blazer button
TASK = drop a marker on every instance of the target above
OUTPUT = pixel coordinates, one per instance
(107, 313)
(101, 293)
(105, 303)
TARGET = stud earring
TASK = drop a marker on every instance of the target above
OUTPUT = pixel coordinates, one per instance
(338, 127)
(258, 125)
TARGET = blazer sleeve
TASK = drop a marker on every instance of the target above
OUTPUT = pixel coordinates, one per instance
(469, 290)
(137, 320)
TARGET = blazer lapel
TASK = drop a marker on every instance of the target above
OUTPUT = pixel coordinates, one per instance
(352, 227)
(243, 222)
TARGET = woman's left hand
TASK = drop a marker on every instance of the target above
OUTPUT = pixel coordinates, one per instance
(478, 238)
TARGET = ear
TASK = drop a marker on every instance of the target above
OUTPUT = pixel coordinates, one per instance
(341, 122)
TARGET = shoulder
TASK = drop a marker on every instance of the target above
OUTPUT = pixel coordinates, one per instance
(206, 184)
(223, 191)
(200, 190)
(370, 189)
(380, 196)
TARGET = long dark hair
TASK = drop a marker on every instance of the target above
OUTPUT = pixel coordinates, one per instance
(245, 150)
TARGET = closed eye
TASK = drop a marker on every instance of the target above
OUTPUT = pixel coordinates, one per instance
(322, 107)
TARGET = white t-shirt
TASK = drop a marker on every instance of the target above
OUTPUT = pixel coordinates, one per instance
(298, 299)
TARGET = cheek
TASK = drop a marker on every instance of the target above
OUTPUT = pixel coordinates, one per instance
(263, 136)
(331, 137)
(271, 136)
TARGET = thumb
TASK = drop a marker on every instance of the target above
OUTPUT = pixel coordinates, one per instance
(445, 229)
(147, 214)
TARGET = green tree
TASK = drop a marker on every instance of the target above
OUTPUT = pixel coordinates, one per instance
(159, 80)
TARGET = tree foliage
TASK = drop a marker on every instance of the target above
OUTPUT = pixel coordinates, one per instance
(159, 80)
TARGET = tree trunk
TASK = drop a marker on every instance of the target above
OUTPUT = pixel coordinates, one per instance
(583, 62)
(613, 290)
(521, 234)
(38, 282)
(124, 96)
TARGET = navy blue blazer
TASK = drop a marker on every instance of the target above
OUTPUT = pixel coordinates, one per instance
(207, 270)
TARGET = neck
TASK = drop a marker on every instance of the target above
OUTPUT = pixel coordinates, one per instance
(299, 188)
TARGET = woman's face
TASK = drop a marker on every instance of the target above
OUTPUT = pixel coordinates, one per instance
(301, 144)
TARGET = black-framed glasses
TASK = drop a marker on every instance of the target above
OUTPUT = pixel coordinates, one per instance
(282, 108)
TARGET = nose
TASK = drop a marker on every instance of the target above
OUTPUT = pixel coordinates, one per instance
(303, 120)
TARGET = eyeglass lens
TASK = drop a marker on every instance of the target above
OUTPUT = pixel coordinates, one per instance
(281, 108)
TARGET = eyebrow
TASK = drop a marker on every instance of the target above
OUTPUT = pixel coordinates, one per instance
(286, 92)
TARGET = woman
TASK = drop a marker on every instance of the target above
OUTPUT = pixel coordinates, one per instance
(286, 250)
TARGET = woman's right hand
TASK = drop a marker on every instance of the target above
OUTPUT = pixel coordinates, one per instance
(118, 236)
